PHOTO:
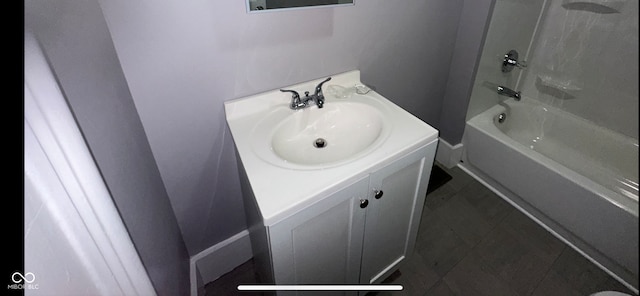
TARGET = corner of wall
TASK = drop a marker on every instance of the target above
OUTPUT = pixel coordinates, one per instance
(448, 155)
(471, 35)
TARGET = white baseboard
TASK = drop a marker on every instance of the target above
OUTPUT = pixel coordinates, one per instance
(448, 155)
(219, 259)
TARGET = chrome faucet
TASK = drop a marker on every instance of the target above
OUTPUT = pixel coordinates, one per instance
(505, 91)
(300, 103)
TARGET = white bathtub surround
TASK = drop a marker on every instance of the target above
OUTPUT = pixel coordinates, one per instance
(448, 155)
(584, 60)
(608, 158)
(577, 178)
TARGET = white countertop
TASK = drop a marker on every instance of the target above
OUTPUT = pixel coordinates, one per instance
(280, 191)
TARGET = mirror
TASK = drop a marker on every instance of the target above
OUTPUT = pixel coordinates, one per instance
(262, 5)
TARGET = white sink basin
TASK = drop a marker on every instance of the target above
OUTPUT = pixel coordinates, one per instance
(337, 132)
(315, 138)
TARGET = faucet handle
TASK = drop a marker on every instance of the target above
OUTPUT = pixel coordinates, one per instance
(294, 93)
(511, 60)
(319, 87)
(296, 103)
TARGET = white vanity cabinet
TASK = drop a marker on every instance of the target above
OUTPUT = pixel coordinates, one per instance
(344, 212)
(397, 193)
(323, 243)
(358, 234)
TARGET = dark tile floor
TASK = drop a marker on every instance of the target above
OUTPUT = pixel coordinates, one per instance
(471, 242)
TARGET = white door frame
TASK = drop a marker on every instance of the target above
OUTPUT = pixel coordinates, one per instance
(64, 186)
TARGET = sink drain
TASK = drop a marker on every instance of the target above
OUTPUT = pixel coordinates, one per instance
(320, 143)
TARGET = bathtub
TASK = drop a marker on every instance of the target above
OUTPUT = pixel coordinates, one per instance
(578, 180)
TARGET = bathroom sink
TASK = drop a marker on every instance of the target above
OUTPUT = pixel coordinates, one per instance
(292, 158)
(314, 138)
(334, 133)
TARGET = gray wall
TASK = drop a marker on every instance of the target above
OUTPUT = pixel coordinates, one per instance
(475, 18)
(183, 59)
(76, 41)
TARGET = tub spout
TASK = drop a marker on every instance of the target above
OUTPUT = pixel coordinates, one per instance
(505, 91)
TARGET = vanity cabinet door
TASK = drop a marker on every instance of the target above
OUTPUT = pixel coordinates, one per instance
(397, 194)
(321, 244)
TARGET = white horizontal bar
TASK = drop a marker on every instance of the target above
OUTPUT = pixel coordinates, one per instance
(320, 287)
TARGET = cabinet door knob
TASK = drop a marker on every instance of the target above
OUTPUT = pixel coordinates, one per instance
(379, 194)
(364, 203)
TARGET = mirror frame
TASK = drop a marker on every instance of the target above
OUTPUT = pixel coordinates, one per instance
(248, 5)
